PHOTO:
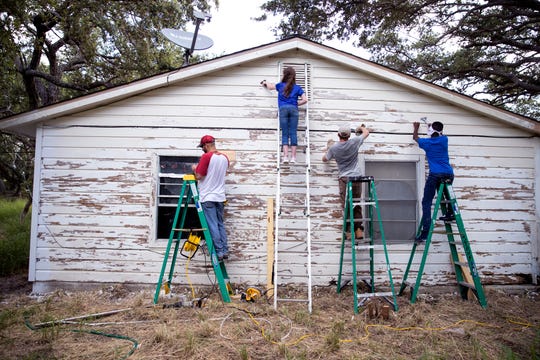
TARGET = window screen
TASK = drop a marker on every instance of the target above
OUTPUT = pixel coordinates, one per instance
(396, 187)
(171, 172)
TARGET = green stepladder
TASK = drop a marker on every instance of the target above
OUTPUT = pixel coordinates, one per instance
(466, 272)
(371, 207)
(189, 194)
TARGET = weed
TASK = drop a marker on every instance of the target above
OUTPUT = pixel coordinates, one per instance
(162, 335)
(190, 344)
(244, 354)
(303, 317)
(333, 338)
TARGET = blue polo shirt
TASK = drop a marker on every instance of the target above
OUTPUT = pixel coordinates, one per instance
(296, 92)
(437, 154)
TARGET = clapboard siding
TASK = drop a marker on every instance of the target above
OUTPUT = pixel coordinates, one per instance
(98, 176)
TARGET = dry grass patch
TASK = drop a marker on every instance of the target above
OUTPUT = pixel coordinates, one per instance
(436, 327)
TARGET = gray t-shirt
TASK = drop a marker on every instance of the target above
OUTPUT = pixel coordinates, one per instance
(346, 155)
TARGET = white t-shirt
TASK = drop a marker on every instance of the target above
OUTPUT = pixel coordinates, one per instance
(213, 166)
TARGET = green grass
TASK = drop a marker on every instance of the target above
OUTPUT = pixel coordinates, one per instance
(14, 237)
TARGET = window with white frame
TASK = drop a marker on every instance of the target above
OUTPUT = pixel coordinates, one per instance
(396, 187)
(171, 173)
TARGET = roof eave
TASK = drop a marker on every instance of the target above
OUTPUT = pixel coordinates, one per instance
(29, 119)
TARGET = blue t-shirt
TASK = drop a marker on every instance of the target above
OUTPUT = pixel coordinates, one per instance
(437, 154)
(296, 92)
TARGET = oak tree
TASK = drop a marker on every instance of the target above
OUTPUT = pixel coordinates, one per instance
(488, 49)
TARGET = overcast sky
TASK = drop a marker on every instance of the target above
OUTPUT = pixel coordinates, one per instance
(232, 28)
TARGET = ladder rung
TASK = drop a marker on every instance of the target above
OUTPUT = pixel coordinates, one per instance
(293, 300)
(466, 284)
(293, 185)
(297, 164)
(292, 207)
(461, 263)
(375, 294)
(455, 242)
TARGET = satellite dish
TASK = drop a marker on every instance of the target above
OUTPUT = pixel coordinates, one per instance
(190, 41)
(185, 39)
(201, 16)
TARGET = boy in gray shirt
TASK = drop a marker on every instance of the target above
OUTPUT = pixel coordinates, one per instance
(345, 152)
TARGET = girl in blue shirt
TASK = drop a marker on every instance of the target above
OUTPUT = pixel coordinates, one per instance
(290, 96)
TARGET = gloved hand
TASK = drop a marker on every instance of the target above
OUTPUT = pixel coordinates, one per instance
(329, 143)
(360, 129)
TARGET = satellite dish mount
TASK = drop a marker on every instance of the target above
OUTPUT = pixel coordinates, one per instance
(190, 41)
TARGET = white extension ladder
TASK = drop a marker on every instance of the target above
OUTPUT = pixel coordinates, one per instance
(292, 243)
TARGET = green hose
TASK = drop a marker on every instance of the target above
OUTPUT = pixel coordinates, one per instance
(94, 332)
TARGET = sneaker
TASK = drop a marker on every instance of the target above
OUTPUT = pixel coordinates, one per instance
(293, 160)
(285, 159)
(448, 217)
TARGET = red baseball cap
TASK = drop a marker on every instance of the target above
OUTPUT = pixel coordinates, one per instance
(206, 139)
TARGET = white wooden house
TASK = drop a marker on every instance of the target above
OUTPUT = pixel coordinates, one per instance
(101, 212)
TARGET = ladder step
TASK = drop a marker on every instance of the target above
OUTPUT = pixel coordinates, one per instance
(410, 283)
(367, 247)
(371, 203)
(368, 295)
(451, 233)
(360, 178)
(466, 284)
(358, 220)
(462, 263)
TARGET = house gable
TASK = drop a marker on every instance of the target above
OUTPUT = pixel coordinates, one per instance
(97, 168)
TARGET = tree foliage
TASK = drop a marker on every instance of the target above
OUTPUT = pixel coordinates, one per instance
(16, 165)
(56, 49)
(53, 50)
(488, 49)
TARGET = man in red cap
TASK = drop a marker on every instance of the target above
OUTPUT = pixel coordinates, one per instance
(210, 172)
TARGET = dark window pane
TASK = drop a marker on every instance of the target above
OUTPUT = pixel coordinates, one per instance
(171, 172)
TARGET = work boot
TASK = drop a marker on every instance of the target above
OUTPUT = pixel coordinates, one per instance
(421, 237)
(358, 234)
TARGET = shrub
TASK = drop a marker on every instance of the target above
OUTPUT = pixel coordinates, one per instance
(14, 237)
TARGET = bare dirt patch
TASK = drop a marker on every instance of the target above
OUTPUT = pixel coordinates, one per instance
(437, 326)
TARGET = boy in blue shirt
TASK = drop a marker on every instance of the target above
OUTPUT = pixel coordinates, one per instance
(436, 148)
